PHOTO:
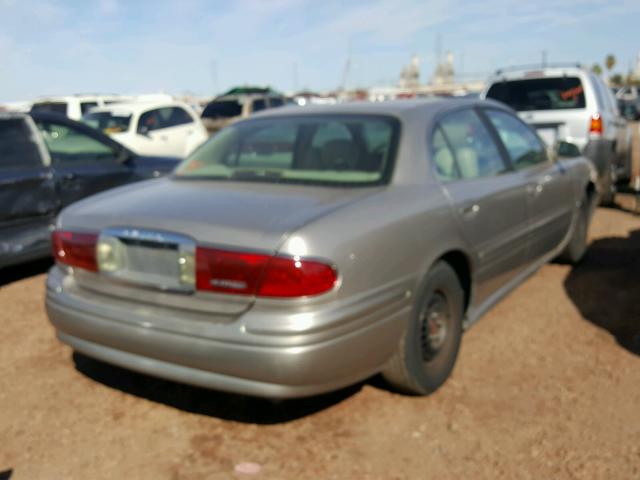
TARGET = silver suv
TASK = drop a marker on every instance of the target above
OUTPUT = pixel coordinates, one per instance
(572, 104)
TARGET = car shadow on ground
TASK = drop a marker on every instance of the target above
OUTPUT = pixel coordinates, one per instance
(605, 287)
(19, 272)
(227, 406)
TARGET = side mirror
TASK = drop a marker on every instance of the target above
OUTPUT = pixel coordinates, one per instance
(123, 155)
(143, 130)
(566, 149)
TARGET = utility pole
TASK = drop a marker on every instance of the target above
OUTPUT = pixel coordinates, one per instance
(214, 76)
(295, 76)
(544, 58)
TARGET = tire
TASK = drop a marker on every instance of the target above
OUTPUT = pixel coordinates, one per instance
(423, 362)
(609, 190)
(577, 246)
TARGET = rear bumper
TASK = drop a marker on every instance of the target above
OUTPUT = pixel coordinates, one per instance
(302, 367)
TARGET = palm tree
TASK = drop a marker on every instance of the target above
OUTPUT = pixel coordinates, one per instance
(597, 69)
(610, 62)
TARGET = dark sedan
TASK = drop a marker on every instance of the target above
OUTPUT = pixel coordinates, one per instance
(48, 162)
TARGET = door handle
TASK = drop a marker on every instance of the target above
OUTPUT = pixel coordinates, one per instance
(470, 210)
(45, 176)
(68, 176)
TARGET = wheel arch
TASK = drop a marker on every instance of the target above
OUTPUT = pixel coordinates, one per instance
(460, 262)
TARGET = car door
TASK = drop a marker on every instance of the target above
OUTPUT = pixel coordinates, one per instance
(549, 188)
(488, 199)
(167, 131)
(28, 202)
(83, 163)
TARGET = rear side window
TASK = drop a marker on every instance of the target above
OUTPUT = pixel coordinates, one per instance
(523, 146)
(259, 104)
(86, 106)
(53, 107)
(17, 147)
(559, 93)
(163, 118)
(474, 150)
(276, 102)
(222, 109)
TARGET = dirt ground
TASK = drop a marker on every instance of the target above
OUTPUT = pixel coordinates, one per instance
(547, 386)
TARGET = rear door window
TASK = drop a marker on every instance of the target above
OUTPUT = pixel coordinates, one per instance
(473, 147)
(523, 146)
(86, 106)
(554, 93)
(442, 157)
(17, 146)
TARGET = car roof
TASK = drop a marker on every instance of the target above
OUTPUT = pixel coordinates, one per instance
(139, 106)
(398, 108)
(532, 72)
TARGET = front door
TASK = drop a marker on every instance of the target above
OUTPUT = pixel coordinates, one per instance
(28, 202)
(82, 164)
(549, 189)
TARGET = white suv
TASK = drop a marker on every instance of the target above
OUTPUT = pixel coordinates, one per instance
(572, 104)
(73, 106)
(151, 128)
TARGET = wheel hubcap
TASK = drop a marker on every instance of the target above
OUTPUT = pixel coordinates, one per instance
(434, 322)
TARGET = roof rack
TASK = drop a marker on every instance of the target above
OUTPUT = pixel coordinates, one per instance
(539, 65)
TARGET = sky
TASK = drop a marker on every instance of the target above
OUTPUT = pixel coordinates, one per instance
(203, 47)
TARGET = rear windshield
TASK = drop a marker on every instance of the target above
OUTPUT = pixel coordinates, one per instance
(222, 109)
(335, 150)
(540, 93)
(108, 122)
(53, 107)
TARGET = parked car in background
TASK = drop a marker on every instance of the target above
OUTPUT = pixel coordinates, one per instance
(572, 103)
(305, 249)
(72, 106)
(239, 103)
(151, 128)
(48, 162)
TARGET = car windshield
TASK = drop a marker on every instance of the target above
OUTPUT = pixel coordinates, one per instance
(557, 93)
(108, 122)
(336, 150)
(222, 109)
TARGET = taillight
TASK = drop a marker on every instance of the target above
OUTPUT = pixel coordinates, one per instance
(596, 126)
(262, 275)
(75, 249)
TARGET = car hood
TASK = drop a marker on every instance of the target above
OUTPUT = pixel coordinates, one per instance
(248, 215)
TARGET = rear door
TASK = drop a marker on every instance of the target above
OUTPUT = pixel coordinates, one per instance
(28, 201)
(488, 198)
(549, 188)
(82, 164)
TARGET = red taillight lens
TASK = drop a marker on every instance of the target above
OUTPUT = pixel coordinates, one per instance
(228, 272)
(596, 124)
(263, 275)
(75, 249)
(289, 277)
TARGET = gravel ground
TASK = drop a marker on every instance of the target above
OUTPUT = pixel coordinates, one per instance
(547, 386)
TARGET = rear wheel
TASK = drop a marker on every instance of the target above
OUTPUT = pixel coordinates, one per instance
(427, 352)
(609, 191)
